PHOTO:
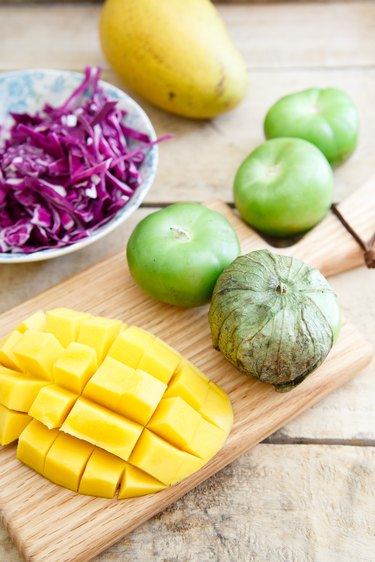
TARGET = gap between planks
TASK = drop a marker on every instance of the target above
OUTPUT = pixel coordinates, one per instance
(285, 440)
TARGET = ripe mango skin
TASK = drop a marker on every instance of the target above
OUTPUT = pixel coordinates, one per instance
(177, 54)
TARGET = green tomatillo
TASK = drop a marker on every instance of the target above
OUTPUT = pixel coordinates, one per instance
(284, 187)
(325, 117)
(176, 254)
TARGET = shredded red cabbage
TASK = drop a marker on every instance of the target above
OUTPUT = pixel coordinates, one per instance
(67, 170)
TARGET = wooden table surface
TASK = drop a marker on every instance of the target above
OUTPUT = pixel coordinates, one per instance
(308, 492)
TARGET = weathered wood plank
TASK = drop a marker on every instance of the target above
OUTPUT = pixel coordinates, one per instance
(269, 35)
(20, 282)
(291, 503)
(67, 38)
(201, 160)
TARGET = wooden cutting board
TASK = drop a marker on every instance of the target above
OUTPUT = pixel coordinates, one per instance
(52, 524)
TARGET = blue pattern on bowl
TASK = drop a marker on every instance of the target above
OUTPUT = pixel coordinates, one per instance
(27, 91)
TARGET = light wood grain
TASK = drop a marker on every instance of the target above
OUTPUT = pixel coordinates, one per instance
(67, 38)
(52, 524)
(317, 507)
(27, 502)
(273, 37)
(316, 503)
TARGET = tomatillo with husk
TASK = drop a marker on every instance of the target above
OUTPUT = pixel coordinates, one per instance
(274, 317)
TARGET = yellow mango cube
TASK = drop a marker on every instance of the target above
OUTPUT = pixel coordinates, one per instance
(11, 424)
(175, 421)
(206, 441)
(157, 457)
(103, 428)
(217, 408)
(130, 345)
(136, 483)
(56, 467)
(75, 367)
(99, 333)
(189, 465)
(140, 397)
(37, 352)
(36, 321)
(102, 475)
(107, 385)
(160, 360)
(190, 384)
(18, 391)
(52, 404)
(64, 324)
(34, 444)
(7, 357)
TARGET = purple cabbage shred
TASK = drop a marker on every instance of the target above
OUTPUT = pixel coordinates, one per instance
(67, 170)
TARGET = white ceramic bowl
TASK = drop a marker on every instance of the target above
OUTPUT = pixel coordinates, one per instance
(27, 91)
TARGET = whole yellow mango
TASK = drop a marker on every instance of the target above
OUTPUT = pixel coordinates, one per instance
(175, 53)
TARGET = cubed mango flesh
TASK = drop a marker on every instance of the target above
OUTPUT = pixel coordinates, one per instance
(37, 352)
(102, 474)
(99, 333)
(103, 428)
(160, 360)
(175, 421)
(52, 405)
(190, 465)
(7, 356)
(158, 457)
(17, 390)
(101, 408)
(36, 321)
(64, 324)
(12, 424)
(140, 397)
(66, 460)
(106, 385)
(206, 441)
(190, 384)
(130, 345)
(75, 366)
(34, 443)
(136, 483)
(217, 408)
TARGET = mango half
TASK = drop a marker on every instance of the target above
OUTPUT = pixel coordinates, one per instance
(99, 407)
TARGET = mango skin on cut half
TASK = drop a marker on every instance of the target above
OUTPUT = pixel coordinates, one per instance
(103, 409)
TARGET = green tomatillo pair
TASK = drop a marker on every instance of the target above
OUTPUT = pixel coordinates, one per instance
(285, 186)
(273, 317)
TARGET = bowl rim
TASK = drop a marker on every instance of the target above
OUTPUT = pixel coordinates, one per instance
(129, 208)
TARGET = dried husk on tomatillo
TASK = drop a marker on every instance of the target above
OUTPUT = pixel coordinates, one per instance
(274, 317)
